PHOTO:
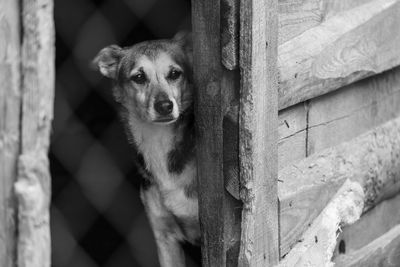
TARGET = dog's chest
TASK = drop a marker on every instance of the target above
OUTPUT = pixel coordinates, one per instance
(174, 187)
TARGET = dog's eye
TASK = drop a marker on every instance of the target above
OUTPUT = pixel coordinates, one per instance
(139, 78)
(174, 74)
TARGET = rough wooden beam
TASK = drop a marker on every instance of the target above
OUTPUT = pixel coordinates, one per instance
(258, 123)
(346, 47)
(384, 251)
(10, 105)
(373, 224)
(316, 246)
(33, 187)
(219, 212)
(371, 159)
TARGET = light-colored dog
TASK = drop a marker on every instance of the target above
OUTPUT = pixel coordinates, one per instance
(153, 85)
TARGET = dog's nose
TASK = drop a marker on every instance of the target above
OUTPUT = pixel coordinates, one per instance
(164, 107)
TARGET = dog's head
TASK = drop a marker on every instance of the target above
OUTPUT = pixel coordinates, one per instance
(152, 79)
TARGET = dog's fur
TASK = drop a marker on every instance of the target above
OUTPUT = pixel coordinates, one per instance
(143, 73)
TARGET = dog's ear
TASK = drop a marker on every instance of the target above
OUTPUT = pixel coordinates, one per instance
(184, 39)
(107, 60)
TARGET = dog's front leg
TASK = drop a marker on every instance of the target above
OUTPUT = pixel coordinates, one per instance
(170, 252)
(165, 229)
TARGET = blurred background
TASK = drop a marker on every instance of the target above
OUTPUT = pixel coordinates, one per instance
(97, 218)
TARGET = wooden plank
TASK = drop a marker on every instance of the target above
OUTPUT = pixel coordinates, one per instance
(317, 244)
(346, 47)
(292, 134)
(353, 110)
(219, 213)
(384, 251)
(10, 104)
(291, 142)
(258, 123)
(371, 226)
(33, 187)
(371, 159)
(295, 17)
(336, 117)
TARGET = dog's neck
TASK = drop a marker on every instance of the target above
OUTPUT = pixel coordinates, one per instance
(166, 149)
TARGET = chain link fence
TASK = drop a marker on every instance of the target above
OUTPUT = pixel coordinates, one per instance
(97, 218)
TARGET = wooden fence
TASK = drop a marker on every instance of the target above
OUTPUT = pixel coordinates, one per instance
(298, 106)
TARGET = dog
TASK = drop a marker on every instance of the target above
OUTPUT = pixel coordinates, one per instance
(152, 84)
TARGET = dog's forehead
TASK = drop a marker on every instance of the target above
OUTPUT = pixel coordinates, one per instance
(161, 62)
(162, 51)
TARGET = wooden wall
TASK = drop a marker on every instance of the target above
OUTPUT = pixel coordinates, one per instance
(339, 102)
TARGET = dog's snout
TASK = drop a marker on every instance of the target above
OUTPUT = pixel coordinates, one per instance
(164, 107)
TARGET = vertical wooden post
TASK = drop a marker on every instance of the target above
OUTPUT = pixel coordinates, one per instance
(209, 118)
(33, 187)
(10, 104)
(215, 85)
(258, 124)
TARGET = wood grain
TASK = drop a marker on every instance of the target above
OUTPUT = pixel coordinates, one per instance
(33, 187)
(346, 47)
(384, 251)
(258, 123)
(317, 244)
(346, 113)
(371, 226)
(219, 212)
(230, 33)
(292, 134)
(295, 17)
(338, 116)
(371, 159)
(10, 105)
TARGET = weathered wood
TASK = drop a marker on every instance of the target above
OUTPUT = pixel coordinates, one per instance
(346, 47)
(353, 110)
(258, 123)
(371, 159)
(292, 134)
(291, 142)
(33, 185)
(372, 225)
(295, 17)
(337, 117)
(230, 33)
(316, 246)
(384, 251)
(10, 105)
(219, 212)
